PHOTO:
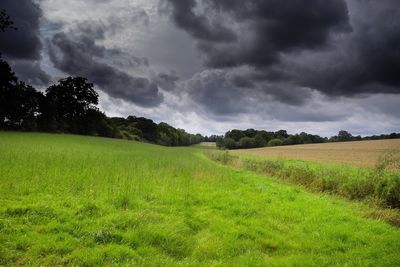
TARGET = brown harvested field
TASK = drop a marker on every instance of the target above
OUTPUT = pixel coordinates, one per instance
(360, 153)
(210, 144)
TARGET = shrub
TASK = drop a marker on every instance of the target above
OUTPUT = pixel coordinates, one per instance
(247, 142)
(229, 143)
(387, 188)
(259, 141)
(222, 157)
(275, 142)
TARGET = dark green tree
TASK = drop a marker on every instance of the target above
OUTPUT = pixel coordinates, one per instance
(281, 134)
(235, 135)
(228, 143)
(148, 128)
(67, 102)
(7, 81)
(344, 136)
(247, 142)
(19, 103)
(275, 142)
(259, 140)
(5, 21)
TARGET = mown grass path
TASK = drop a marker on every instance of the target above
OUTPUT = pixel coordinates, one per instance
(84, 201)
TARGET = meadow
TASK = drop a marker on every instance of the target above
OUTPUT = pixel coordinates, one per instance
(87, 201)
(357, 153)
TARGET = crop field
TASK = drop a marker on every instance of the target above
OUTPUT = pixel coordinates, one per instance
(84, 201)
(209, 144)
(360, 153)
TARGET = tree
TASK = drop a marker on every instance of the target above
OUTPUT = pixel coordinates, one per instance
(250, 133)
(235, 135)
(229, 143)
(147, 126)
(95, 123)
(5, 21)
(67, 102)
(275, 142)
(19, 103)
(344, 136)
(259, 140)
(247, 142)
(7, 81)
(281, 134)
(21, 107)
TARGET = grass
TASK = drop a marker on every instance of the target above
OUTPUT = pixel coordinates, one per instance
(379, 187)
(85, 201)
(358, 153)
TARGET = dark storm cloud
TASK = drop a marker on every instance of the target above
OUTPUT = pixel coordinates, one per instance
(22, 47)
(23, 43)
(367, 61)
(336, 47)
(77, 53)
(167, 81)
(125, 60)
(30, 72)
(219, 93)
(199, 26)
(263, 28)
(215, 91)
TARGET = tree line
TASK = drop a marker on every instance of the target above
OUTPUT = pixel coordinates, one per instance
(250, 138)
(70, 106)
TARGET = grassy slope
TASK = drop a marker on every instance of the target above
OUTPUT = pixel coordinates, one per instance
(92, 201)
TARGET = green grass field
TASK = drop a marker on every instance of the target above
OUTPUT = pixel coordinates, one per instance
(85, 201)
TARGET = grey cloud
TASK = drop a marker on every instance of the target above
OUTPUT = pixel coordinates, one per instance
(216, 93)
(30, 72)
(335, 47)
(220, 93)
(168, 82)
(199, 25)
(263, 28)
(126, 60)
(366, 61)
(22, 47)
(23, 43)
(77, 53)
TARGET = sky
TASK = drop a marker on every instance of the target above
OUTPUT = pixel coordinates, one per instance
(209, 66)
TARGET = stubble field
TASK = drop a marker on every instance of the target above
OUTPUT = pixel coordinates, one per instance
(360, 153)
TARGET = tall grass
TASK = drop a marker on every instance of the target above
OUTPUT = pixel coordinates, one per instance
(84, 201)
(380, 185)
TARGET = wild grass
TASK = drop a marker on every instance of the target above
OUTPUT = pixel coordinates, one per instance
(380, 186)
(84, 201)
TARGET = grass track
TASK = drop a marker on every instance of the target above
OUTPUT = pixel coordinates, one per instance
(73, 200)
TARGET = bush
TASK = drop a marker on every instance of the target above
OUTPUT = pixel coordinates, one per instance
(247, 142)
(275, 142)
(222, 157)
(229, 143)
(259, 141)
(387, 188)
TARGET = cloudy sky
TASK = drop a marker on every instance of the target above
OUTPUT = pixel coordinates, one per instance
(209, 66)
